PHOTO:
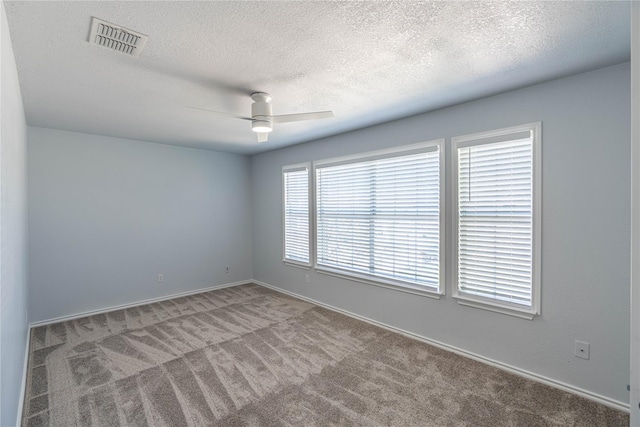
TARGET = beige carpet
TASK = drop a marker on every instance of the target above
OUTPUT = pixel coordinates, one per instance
(249, 356)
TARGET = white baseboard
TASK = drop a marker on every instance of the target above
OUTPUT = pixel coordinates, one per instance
(512, 369)
(135, 304)
(23, 387)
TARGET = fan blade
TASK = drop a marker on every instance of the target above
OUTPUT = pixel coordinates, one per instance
(221, 113)
(303, 116)
(263, 136)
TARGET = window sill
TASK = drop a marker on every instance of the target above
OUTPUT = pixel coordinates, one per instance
(297, 264)
(382, 283)
(523, 314)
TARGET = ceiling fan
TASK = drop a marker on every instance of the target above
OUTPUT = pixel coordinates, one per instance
(262, 119)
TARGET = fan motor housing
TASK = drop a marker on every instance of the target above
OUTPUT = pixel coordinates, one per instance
(261, 112)
(260, 109)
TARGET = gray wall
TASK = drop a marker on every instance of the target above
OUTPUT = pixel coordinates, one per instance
(13, 233)
(585, 235)
(106, 215)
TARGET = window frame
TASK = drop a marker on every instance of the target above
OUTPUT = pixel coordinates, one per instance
(310, 198)
(490, 304)
(408, 287)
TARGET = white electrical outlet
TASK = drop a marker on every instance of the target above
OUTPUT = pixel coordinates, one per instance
(582, 350)
(306, 278)
(160, 278)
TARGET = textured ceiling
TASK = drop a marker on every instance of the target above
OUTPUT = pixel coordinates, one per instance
(369, 62)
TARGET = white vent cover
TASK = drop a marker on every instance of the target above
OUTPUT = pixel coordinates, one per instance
(116, 38)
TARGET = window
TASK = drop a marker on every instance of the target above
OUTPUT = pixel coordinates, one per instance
(295, 188)
(497, 219)
(378, 217)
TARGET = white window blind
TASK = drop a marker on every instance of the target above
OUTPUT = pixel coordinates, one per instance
(379, 217)
(296, 214)
(495, 218)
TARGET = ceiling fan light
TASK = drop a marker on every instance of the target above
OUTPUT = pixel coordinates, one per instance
(261, 126)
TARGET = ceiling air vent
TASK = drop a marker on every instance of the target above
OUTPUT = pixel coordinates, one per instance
(116, 38)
